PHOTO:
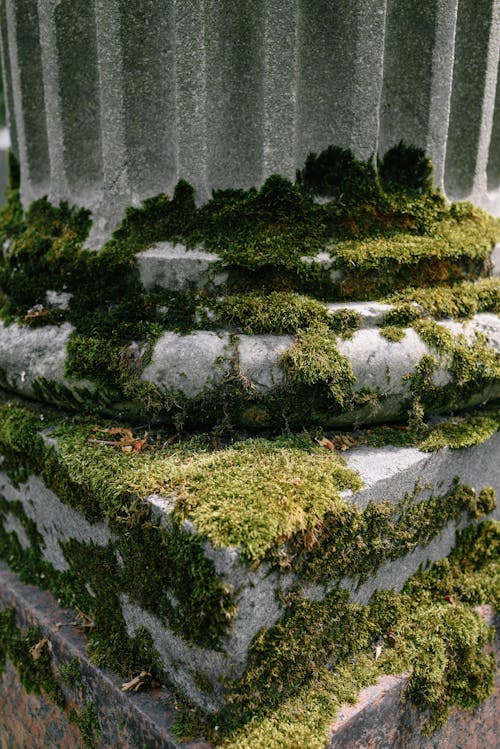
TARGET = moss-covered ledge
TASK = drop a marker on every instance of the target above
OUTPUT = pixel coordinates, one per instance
(282, 257)
(195, 543)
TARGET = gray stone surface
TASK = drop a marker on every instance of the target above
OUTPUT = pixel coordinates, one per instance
(259, 357)
(388, 474)
(27, 354)
(191, 363)
(371, 313)
(198, 362)
(56, 522)
(109, 103)
(172, 266)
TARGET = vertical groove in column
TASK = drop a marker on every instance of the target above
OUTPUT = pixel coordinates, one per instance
(58, 189)
(280, 87)
(148, 81)
(441, 85)
(480, 185)
(341, 61)
(191, 94)
(80, 103)
(406, 97)
(115, 194)
(28, 96)
(471, 83)
(7, 80)
(493, 168)
(234, 39)
(367, 86)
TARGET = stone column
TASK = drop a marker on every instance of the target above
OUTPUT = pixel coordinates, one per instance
(110, 103)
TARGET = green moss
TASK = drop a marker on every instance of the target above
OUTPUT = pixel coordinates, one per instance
(473, 365)
(345, 322)
(462, 432)
(392, 333)
(354, 543)
(457, 248)
(88, 724)
(71, 675)
(35, 672)
(314, 359)
(384, 235)
(322, 653)
(462, 300)
(406, 168)
(276, 312)
(336, 173)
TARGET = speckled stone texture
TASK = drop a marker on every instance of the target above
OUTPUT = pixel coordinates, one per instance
(30, 722)
(111, 102)
(381, 719)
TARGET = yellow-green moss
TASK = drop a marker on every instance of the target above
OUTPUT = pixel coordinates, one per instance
(461, 300)
(348, 542)
(472, 363)
(275, 312)
(319, 657)
(392, 333)
(314, 359)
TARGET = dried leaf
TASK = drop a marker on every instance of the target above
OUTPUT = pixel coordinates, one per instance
(37, 650)
(450, 599)
(83, 621)
(37, 311)
(378, 651)
(143, 681)
(325, 443)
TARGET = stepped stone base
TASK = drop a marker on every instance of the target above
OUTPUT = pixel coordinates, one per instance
(379, 719)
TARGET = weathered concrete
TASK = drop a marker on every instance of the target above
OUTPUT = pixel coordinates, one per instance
(110, 102)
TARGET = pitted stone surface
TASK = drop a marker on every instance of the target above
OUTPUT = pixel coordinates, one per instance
(55, 521)
(189, 363)
(259, 357)
(27, 354)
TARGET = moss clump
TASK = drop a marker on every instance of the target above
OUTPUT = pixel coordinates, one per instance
(457, 248)
(34, 668)
(314, 359)
(322, 653)
(276, 312)
(88, 724)
(392, 333)
(462, 432)
(71, 675)
(458, 301)
(406, 168)
(473, 364)
(353, 543)
(335, 173)
(380, 233)
(345, 322)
